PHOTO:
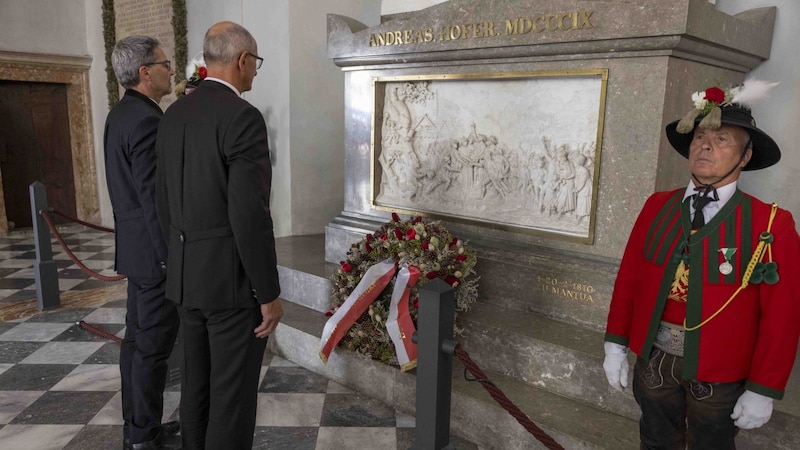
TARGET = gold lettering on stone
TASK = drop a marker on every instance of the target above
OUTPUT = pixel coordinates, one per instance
(560, 22)
(565, 288)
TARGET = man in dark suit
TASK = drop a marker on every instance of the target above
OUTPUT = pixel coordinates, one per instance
(141, 253)
(213, 193)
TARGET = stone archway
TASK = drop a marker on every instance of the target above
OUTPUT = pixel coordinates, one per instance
(73, 71)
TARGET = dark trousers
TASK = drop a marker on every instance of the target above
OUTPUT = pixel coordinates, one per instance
(151, 328)
(219, 383)
(681, 414)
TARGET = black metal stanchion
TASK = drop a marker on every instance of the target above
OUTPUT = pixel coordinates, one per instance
(435, 343)
(45, 269)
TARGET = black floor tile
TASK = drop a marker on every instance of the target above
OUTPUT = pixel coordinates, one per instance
(62, 407)
(14, 352)
(6, 271)
(5, 326)
(68, 315)
(93, 437)
(20, 248)
(73, 273)
(93, 284)
(17, 283)
(285, 438)
(91, 248)
(26, 255)
(33, 377)
(102, 257)
(25, 294)
(353, 410)
(107, 354)
(293, 379)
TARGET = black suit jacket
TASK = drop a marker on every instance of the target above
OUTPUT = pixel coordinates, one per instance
(213, 192)
(130, 157)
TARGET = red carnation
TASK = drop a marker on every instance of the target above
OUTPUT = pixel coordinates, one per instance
(461, 257)
(425, 245)
(203, 72)
(410, 234)
(367, 246)
(454, 242)
(369, 237)
(715, 95)
(395, 217)
(346, 267)
(398, 234)
(432, 274)
(384, 237)
(418, 219)
(452, 281)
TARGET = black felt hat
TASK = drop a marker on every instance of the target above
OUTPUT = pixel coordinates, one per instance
(709, 114)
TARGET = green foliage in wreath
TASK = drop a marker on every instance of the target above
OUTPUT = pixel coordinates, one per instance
(427, 245)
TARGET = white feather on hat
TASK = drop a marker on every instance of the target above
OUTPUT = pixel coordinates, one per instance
(751, 92)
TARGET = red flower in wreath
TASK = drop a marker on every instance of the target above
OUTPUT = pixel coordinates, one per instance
(411, 234)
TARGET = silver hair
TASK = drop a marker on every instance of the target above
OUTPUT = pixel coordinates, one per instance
(129, 55)
(224, 48)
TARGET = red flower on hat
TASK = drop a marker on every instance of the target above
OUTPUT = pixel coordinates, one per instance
(715, 94)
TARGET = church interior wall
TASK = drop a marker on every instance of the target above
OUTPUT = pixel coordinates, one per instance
(312, 179)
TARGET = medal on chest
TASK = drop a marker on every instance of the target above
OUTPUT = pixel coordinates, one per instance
(726, 267)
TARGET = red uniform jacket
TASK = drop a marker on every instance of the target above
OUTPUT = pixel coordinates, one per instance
(755, 337)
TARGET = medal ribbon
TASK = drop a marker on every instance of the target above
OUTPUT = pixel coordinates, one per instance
(399, 324)
(727, 253)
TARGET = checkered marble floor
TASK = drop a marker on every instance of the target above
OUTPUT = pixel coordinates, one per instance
(59, 383)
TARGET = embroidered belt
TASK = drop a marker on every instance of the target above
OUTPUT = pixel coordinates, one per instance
(670, 338)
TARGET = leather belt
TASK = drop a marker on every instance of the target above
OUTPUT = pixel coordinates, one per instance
(670, 338)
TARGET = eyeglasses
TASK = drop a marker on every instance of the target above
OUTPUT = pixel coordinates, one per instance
(259, 60)
(166, 63)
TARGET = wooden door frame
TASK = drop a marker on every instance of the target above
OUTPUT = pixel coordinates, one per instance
(74, 72)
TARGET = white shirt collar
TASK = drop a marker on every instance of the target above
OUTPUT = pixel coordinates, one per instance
(226, 84)
(712, 208)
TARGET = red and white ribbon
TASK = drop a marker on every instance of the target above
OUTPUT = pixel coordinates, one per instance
(375, 280)
(399, 324)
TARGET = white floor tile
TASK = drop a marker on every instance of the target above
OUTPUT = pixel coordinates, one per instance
(289, 410)
(37, 437)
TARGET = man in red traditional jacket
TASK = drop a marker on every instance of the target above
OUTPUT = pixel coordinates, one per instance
(707, 294)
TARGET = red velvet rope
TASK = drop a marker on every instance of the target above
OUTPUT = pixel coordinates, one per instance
(99, 332)
(501, 398)
(76, 220)
(69, 253)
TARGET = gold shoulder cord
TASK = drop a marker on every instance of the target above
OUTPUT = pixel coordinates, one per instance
(757, 254)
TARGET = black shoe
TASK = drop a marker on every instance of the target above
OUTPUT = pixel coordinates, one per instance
(170, 428)
(161, 442)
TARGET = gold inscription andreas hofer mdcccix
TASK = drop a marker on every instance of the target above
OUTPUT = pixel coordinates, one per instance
(568, 21)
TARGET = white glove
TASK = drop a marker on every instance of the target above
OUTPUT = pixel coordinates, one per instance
(616, 365)
(752, 410)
